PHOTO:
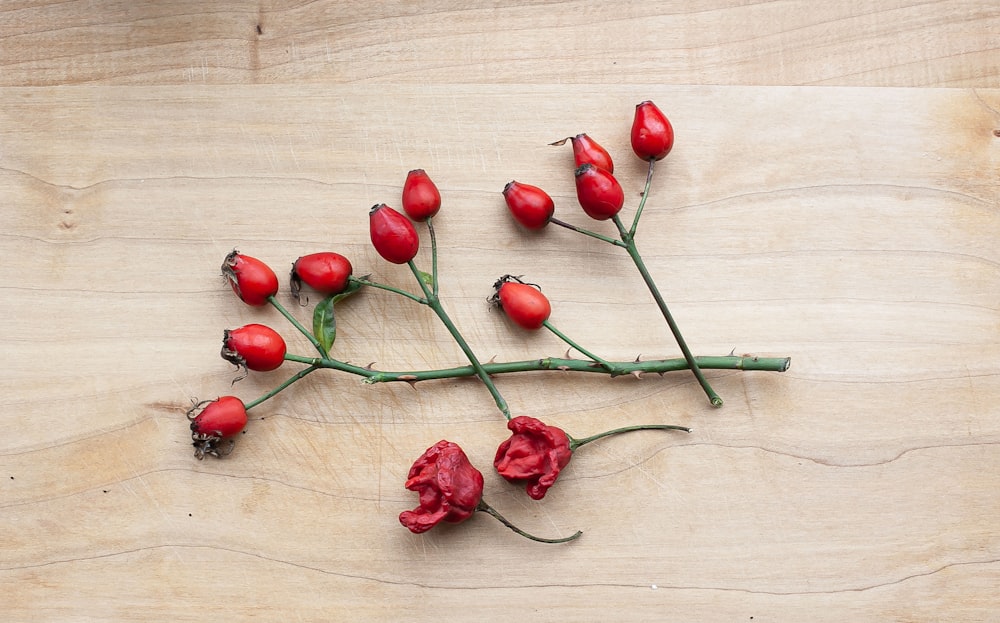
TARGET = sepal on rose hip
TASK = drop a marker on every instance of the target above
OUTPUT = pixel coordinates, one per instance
(214, 422)
(251, 279)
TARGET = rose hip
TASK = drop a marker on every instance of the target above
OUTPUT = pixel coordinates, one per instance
(254, 347)
(326, 272)
(421, 198)
(251, 279)
(450, 487)
(530, 206)
(392, 234)
(214, 421)
(599, 193)
(652, 134)
(587, 150)
(523, 303)
(535, 453)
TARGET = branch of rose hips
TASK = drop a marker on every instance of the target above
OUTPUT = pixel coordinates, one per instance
(489, 510)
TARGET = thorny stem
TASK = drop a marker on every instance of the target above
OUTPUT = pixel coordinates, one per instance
(298, 325)
(576, 443)
(746, 363)
(274, 392)
(639, 264)
(604, 364)
(642, 202)
(434, 303)
(486, 508)
(587, 232)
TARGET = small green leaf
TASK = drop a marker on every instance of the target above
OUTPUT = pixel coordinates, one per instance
(427, 278)
(324, 319)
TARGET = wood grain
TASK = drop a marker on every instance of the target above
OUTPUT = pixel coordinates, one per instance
(851, 229)
(951, 43)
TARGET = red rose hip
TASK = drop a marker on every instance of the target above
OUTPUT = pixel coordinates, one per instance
(523, 302)
(652, 134)
(588, 151)
(450, 488)
(530, 206)
(326, 272)
(599, 193)
(215, 421)
(534, 454)
(254, 347)
(421, 198)
(392, 234)
(251, 279)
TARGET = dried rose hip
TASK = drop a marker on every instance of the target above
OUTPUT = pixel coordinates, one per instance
(251, 279)
(530, 206)
(535, 454)
(215, 421)
(326, 272)
(652, 134)
(523, 302)
(421, 198)
(254, 347)
(599, 193)
(450, 487)
(393, 235)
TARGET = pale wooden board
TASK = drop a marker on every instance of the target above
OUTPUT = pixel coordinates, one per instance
(853, 230)
(798, 42)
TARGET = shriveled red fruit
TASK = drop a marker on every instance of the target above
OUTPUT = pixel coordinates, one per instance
(325, 272)
(421, 198)
(599, 193)
(535, 453)
(450, 488)
(392, 234)
(652, 134)
(587, 150)
(530, 206)
(216, 421)
(251, 279)
(254, 347)
(523, 302)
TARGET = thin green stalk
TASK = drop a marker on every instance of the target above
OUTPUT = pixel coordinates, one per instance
(639, 264)
(434, 255)
(298, 325)
(367, 282)
(642, 202)
(576, 443)
(274, 392)
(486, 508)
(748, 363)
(587, 232)
(607, 366)
(434, 303)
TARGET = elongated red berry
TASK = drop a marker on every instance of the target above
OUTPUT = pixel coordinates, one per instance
(421, 198)
(325, 272)
(530, 206)
(652, 134)
(393, 235)
(599, 193)
(251, 279)
(587, 150)
(523, 302)
(215, 421)
(254, 347)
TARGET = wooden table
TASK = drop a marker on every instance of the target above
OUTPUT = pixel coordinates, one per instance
(832, 197)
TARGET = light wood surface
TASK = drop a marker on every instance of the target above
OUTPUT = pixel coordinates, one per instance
(851, 228)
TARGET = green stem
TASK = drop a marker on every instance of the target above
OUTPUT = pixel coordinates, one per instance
(367, 282)
(576, 443)
(486, 508)
(639, 264)
(434, 303)
(298, 325)
(274, 392)
(653, 366)
(604, 364)
(434, 256)
(642, 202)
(587, 232)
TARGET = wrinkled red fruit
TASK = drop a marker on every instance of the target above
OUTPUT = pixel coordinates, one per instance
(599, 193)
(652, 134)
(215, 421)
(254, 347)
(450, 488)
(530, 206)
(523, 303)
(326, 272)
(421, 198)
(251, 279)
(534, 454)
(393, 235)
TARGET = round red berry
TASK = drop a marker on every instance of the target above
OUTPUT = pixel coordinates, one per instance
(393, 235)
(421, 198)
